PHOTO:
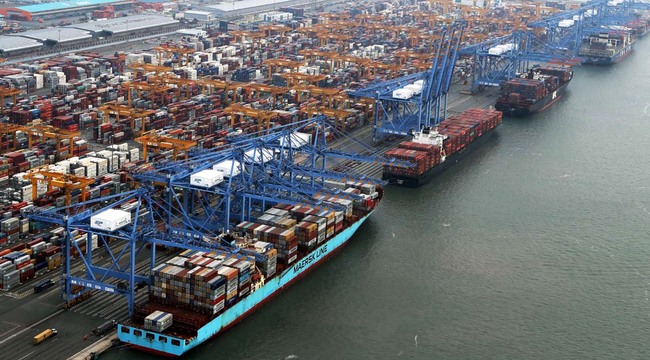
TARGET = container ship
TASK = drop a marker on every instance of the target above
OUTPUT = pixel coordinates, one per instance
(606, 48)
(197, 295)
(432, 150)
(533, 91)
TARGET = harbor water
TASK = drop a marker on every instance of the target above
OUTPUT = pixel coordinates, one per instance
(536, 246)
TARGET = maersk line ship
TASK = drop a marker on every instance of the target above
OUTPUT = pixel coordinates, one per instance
(198, 295)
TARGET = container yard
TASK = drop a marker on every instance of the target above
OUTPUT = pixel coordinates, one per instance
(98, 143)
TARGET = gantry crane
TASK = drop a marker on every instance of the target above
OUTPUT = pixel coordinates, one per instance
(45, 132)
(275, 91)
(157, 141)
(181, 215)
(155, 92)
(400, 115)
(166, 51)
(339, 116)
(208, 86)
(120, 111)
(276, 64)
(5, 93)
(66, 182)
(294, 78)
(263, 117)
(140, 69)
(10, 130)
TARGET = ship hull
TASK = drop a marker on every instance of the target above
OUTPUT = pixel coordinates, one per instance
(450, 161)
(618, 57)
(539, 106)
(150, 341)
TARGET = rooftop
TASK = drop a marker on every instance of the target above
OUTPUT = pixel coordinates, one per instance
(61, 5)
(245, 4)
(124, 24)
(13, 43)
(58, 34)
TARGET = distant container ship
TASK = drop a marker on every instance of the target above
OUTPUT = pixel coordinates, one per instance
(534, 91)
(606, 48)
(431, 151)
(198, 295)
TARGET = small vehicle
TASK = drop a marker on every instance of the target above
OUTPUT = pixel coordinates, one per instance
(104, 328)
(44, 336)
(43, 285)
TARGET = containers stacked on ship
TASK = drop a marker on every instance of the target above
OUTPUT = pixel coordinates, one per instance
(604, 48)
(534, 91)
(207, 292)
(433, 150)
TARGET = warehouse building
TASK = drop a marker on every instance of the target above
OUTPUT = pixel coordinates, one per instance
(53, 36)
(59, 9)
(198, 15)
(128, 25)
(229, 10)
(13, 45)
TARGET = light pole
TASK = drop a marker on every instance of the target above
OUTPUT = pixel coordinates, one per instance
(59, 42)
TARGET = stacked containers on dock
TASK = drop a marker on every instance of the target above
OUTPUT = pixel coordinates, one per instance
(10, 279)
(8, 274)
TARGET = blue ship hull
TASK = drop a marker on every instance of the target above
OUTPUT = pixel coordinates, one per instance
(170, 346)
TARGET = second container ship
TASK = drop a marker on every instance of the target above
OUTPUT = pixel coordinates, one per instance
(431, 151)
(198, 295)
(534, 91)
(606, 48)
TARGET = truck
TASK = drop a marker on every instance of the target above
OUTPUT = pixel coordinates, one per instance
(45, 284)
(104, 328)
(44, 335)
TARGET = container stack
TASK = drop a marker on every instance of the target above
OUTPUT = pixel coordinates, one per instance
(203, 282)
(200, 290)
(231, 288)
(460, 130)
(307, 235)
(158, 321)
(463, 129)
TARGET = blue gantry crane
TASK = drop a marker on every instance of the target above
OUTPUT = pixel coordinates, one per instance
(292, 165)
(556, 38)
(400, 110)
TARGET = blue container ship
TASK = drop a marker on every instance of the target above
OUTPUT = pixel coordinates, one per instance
(208, 307)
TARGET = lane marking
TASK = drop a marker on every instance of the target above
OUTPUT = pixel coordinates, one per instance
(31, 326)
(27, 355)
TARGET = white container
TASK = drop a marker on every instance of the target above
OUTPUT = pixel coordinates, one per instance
(110, 220)
(228, 168)
(417, 89)
(403, 94)
(566, 23)
(497, 50)
(297, 141)
(206, 178)
(259, 156)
